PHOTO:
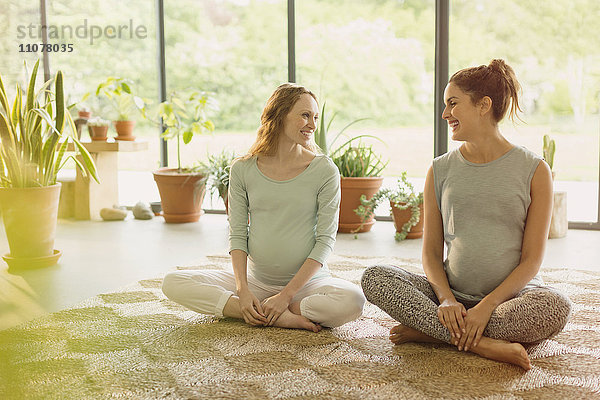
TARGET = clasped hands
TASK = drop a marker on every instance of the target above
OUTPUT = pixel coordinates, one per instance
(466, 326)
(265, 313)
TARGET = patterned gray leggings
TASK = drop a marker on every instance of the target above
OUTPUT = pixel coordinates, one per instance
(531, 316)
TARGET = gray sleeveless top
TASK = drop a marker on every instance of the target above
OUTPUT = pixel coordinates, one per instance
(484, 208)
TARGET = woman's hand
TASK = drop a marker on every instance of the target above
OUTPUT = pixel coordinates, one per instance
(274, 306)
(251, 309)
(475, 322)
(451, 314)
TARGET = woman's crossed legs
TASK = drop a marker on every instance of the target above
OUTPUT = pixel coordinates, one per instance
(326, 301)
(531, 316)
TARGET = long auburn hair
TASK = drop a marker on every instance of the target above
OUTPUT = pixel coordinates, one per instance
(497, 81)
(271, 121)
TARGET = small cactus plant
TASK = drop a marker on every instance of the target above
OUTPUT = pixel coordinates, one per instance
(548, 151)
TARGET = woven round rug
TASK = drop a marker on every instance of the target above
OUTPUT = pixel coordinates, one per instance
(136, 344)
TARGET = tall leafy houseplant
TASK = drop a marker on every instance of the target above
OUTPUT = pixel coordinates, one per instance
(182, 189)
(559, 223)
(33, 147)
(125, 103)
(548, 150)
(186, 116)
(360, 168)
(406, 207)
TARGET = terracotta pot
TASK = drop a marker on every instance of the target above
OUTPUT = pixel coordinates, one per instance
(84, 114)
(30, 218)
(352, 189)
(124, 130)
(401, 217)
(98, 133)
(181, 195)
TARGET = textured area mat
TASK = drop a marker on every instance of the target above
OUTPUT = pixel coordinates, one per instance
(137, 344)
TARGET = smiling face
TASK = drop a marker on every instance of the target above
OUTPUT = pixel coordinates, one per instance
(300, 123)
(462, 115)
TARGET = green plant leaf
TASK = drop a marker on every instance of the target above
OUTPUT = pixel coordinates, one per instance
(59, 156)
(6, 134)
(80, 166)
(43, 91)
(321, 132)
(89, 165)
(60, 102)
(16, 110)
(34, 157)
(139, 102)
(35, 126)
(31, 88)
(13, 166)
(125, 87)
(3, 98)
(341, 132)
(187, 136)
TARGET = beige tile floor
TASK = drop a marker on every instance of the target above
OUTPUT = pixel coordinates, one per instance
(100, 257)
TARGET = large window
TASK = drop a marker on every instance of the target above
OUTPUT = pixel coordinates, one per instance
(373, 60)
(15, 20)
(108, 38)
(235, 49)
(553, 48)
(367, 59)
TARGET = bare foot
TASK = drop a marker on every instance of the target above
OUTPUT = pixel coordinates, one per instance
(502, 350)
(494, 349)
(403, 334)
(290, 320)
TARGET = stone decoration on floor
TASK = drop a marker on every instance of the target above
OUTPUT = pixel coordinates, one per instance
(113, 214)
(142, 211)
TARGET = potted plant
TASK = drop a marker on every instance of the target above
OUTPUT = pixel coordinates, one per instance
(360, 168)
(33, 146)
(217, 167)
(559, 223)
(548, 150)
(98, 128)
(84, 112)
(182, 189)
(406, 208)
(120, 96)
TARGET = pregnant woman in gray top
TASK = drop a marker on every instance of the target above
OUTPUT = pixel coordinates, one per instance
(490, 203)
(283, 215)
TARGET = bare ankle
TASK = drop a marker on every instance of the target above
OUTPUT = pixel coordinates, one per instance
(404, 334)
(295, 308)
(290, 320)
(232, 308)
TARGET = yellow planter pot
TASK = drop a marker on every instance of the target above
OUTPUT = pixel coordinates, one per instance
(30, 218)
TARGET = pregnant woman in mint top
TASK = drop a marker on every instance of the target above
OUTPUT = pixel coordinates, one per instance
(489, 202)
(283, 214)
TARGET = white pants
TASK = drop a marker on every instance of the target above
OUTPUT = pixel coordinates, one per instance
(327, 301)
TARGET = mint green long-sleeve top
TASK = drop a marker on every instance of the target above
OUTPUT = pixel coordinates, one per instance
(280, 224)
